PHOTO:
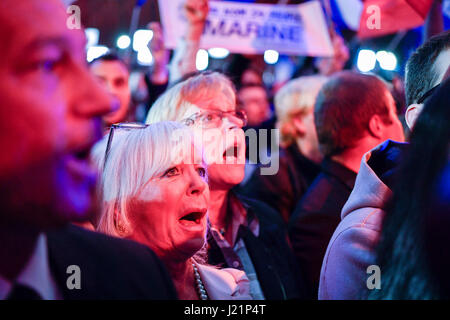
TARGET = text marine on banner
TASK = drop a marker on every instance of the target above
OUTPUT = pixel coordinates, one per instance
(253, 28)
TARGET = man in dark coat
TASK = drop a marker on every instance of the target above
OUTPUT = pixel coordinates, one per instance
(348, 125)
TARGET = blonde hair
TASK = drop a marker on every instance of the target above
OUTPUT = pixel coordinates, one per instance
(295, 98)
(210, 90)
(135, 157)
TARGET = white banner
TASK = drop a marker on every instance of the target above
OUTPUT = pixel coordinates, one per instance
(254, 28)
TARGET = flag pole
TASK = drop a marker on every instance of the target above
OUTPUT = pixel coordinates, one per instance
(134, 25)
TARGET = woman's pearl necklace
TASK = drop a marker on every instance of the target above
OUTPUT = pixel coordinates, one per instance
(199, 284)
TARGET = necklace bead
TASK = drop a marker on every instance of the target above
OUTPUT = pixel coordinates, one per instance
(201, 291)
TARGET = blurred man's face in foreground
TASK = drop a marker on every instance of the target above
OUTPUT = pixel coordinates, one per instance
(49, 116)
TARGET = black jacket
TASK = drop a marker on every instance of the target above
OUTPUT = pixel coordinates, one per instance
(110, 268)
(316, 217)
(274, 262)
(283, 190)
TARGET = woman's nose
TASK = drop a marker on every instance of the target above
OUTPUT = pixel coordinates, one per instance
(91, 99)
(229, 124)
(197, 184)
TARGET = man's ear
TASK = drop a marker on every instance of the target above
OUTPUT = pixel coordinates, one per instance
(376, 126)
(299, 125)
(412, 113)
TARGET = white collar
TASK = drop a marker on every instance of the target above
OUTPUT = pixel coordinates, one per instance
(224, 284)
(36, 274)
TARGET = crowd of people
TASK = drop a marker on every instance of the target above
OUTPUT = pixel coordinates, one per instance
(173, 206)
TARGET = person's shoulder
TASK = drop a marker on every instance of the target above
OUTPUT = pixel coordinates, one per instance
(353, 243)
(134, 269)
(351, 250)
(103, 244)
(364, 218)
(361, 228)
(78, 243)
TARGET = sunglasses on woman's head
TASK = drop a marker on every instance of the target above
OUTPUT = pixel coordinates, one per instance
(124, 125)
(213, 118)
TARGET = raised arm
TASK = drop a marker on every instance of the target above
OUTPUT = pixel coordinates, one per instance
(159, 73)
(183, 61)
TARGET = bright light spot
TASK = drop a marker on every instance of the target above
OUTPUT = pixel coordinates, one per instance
(366, 60)
(387, 60)
(123, 42)
(141, 39)
(144, 57)
(271, 56)
(202, 60)
(96, 51)
(268, 78)
(218, 53)
(92, 36)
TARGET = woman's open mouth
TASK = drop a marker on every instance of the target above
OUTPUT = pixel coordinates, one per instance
(79, 165)
(231, 154)
(193, 218)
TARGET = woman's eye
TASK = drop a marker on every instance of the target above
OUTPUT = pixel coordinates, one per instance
(210, 117)
(201, 172)
(171, 172)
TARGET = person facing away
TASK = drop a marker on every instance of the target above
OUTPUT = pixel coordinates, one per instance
(353, 113)
(352, 248)
(49, 118)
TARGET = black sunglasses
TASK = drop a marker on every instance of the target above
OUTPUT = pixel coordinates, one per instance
(427, 94)
(125, 125)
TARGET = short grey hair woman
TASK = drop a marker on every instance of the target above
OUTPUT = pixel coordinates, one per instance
(154, 190)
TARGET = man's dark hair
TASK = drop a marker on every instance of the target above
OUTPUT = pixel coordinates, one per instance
(420, 70)
(109, 57)
(344, 107)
